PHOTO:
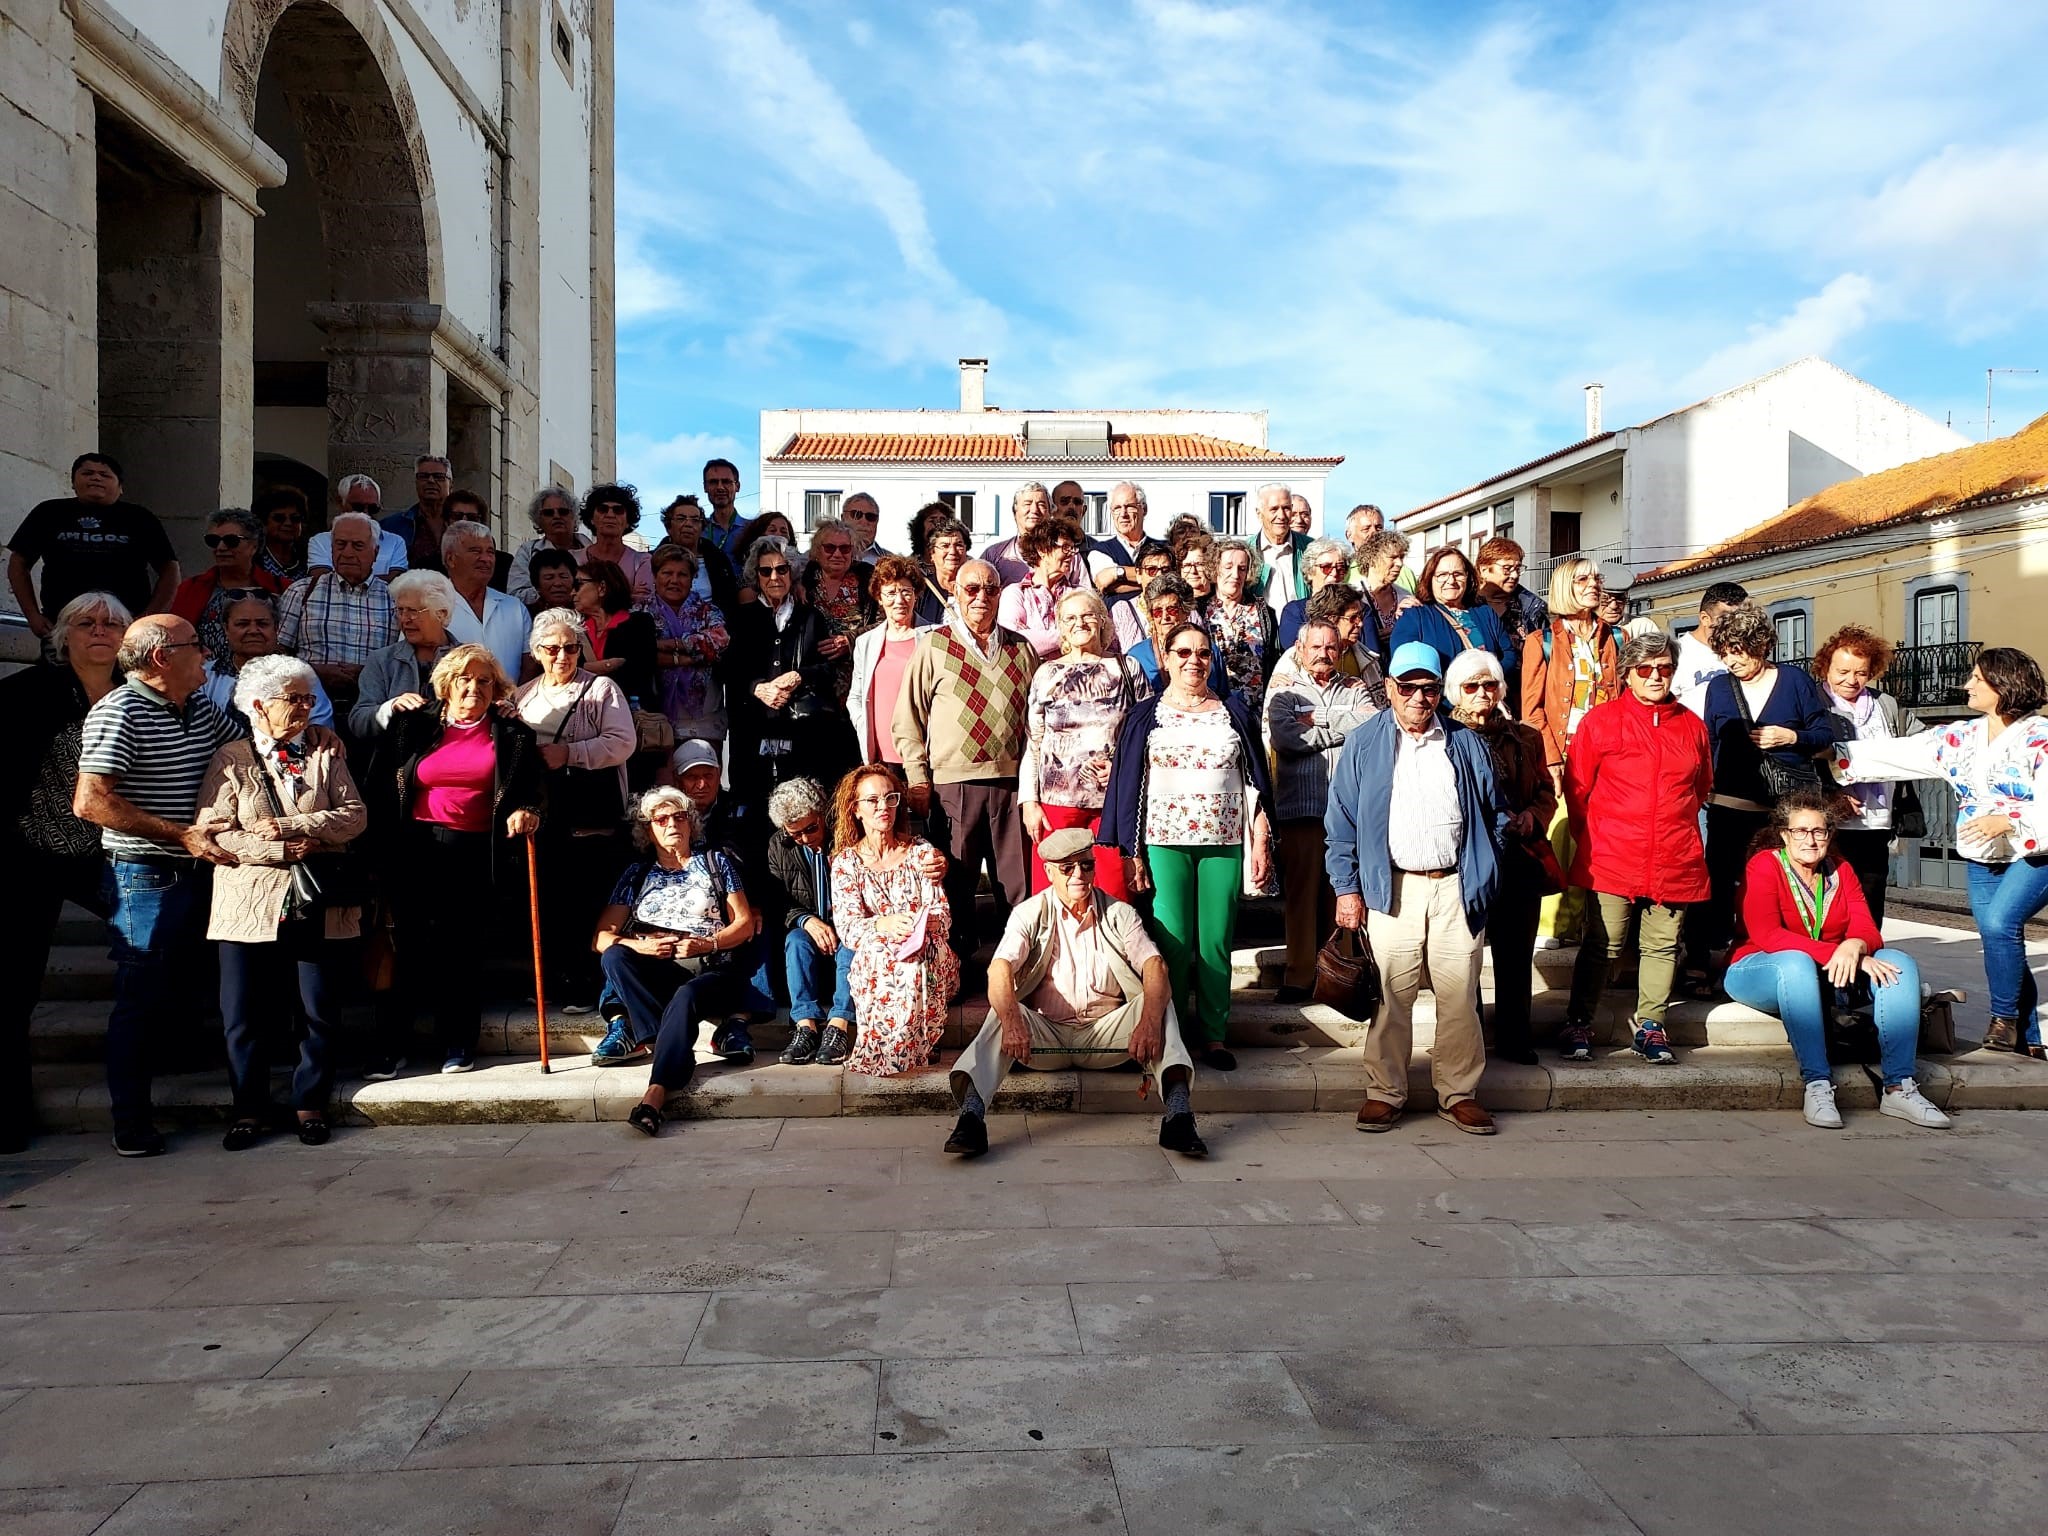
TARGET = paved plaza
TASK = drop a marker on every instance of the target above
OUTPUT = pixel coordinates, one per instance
(1672, 1323)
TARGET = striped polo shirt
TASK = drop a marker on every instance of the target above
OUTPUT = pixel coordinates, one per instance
(157, 755)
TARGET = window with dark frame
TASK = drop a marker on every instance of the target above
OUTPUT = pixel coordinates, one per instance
(962, 503)
(1226, 512)
(1937, 616)
(819, 505)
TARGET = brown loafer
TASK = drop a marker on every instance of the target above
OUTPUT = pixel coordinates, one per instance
(1467, 1115)
(1378, 1115)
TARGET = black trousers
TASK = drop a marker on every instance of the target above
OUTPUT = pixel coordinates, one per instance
(1711, 925)
(257, 985)
(576, 876)
(665, 1001)
(971, 823)
(42, 883)
(1869, 854)
(442, 905)
(1511, 935)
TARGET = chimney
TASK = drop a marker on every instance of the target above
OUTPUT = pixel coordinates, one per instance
(1592, 410)
(973, 384)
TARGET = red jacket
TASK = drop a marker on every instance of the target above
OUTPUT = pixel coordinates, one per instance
(190, 600)
(1634, 783)
(1771, 922)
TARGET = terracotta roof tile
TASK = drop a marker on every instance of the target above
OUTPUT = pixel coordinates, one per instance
(1983, 472)
(1142, 447)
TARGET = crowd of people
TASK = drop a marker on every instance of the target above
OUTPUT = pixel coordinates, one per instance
(757, 771)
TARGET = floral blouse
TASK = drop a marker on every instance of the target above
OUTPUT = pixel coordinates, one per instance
(1075, 707)
(689, 692)
(1237, 630)
(1194, 782)
(851, 615)
(2008, 777)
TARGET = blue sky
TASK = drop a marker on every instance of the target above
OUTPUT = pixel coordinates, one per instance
(1411, 233)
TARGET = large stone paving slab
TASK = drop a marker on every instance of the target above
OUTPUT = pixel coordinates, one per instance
(84, 1349)
(901, 1322)
(561, 1501)
(59, 1511)
(1884, 1388)
(1057, 1257)
(616, 1265)
(511, 1331)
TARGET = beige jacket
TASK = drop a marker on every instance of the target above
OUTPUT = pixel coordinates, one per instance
(249, 897)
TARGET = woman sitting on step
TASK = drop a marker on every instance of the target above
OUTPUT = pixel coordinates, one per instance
(1811, 941)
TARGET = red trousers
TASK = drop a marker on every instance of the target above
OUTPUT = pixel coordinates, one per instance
(1109, 862)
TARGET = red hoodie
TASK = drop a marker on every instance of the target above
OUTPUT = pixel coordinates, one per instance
(1771, 922)
(1634, 781)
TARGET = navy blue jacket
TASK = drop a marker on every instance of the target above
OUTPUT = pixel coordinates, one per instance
(1355, 824)
(1123, 805)
(1426, 623)
(1796, 702)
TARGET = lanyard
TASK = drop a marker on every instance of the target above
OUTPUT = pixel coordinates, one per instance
(1813, 905)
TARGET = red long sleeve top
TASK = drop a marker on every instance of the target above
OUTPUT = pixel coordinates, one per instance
(1770, 912)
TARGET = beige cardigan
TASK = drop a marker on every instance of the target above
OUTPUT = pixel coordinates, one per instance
(249, 897)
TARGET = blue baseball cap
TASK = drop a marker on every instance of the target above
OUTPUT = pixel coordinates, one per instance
(1416, 656)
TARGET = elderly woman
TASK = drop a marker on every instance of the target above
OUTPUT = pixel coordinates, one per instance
(450, 778)
(233, 540)
(1568, 668)
(1169, 602)
(1027, 606)
(396, 678)
(585, 730)
(1327, 562)
(250, 623)
(835, 586)
(712, 576)
(779, 674)
(1633, 788)
(1449, 615)
(945, 551)
(551, 576)
(769, 525)
(1847, 666)
(622, 643)
(1245, 633)
(1809, 944)
(881, 654)
(611, 512)
(1474, 687)
(282, 512)
(669, 941)
(894, 917)
(1378, 563)
(690, 636)
(283, 803)
(1187, 780)
(1754, 710)
(1997, 767)
(819, 967)
(1077, 703)
(1197, 566)
(52, 856)
(552, 511)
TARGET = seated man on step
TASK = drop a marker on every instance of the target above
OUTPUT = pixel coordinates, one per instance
(1075, 982)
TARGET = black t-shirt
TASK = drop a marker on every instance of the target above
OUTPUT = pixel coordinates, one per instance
(85, 548)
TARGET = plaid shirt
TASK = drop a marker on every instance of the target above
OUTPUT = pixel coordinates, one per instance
(326, 622)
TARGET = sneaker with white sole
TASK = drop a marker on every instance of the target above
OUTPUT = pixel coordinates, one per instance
(1820, 1106)
(1906, 1102)
(1653, 1045)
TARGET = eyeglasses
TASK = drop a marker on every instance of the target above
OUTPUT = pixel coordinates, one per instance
(1430, 690)
(887, 802)
(367, 508)
(430, 474)
(177, 645)
(1810, 834)
(810, 829)
(667, 818)
(224, 541)
(611, 506)
(1189, 653)
(764, 569)
(1484, 685)
(861, 517)
(1328, 567)
(1508, 570)
(296, 700)
(1650, 669)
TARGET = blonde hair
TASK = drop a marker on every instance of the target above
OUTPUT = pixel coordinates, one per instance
(459, 661)
(1105, 633)
(1563, 605)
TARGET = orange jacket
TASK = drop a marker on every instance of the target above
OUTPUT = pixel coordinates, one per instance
(1547, 682)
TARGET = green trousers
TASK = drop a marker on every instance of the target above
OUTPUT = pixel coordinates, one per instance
(1194, 914)
(1657, 933)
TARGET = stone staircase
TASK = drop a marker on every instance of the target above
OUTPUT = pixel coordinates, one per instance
(1290, 1058)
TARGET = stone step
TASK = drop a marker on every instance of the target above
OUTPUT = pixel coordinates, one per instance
(79, 972)
(1328, 1079)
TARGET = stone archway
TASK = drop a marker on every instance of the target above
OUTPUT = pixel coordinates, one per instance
(347, 260)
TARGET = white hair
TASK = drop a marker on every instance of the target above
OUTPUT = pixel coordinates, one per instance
(1472, 665)
(1320, 547)
(654, 800)
(349, 483)
(429, 589)
(1259, 494)
(81, 605)
(551, 621)
(1031, 485)
(1131, 485)
(456, 532)
(793, 798)
(142, 640)
(267, 677)
(543, 496)
(364, 518)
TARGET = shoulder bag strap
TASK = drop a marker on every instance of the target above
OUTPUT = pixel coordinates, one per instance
(569, 713)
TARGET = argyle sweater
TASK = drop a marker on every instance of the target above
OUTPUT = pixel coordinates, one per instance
(961, 714)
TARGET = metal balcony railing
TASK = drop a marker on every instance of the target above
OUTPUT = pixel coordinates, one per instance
(1931, 676)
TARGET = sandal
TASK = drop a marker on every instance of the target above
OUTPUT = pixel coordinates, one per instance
(645, 1117)
(242, 1135)
(313, 1131)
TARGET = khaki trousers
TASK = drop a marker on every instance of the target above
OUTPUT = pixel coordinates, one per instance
(1424, 941)
(1095, 1046)
(1305, 890)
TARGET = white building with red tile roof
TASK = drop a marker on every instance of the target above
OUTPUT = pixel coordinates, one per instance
(975, 458)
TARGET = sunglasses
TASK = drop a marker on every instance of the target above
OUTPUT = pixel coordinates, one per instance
(861, 517)
(556, 650)
(974, 588)
(1654, 669)
(765, 569)
(808, 830)
(1189, 653)
(1484, 685)
(1427, 690)
(224, 541)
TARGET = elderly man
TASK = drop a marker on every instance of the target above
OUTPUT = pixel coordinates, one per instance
(142, 756)
(862, 515)
(1365, 520)
(1127, 508)
(553, 512)
(1311, 710)
(1302, 517)
(1415, 819)
(90, 541)
(334, 620)
(423, 524)
(1030, 505)
(959, 728)
(1075, 982)
(358, 493)
(496, 620)
(1277, 564)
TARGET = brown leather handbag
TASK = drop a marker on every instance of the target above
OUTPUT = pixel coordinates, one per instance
(1347, 978)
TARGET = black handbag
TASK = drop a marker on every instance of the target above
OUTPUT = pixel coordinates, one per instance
(1347, 977)
(1909, 816)
(307, 894)
(584, 799)
(1780, 777)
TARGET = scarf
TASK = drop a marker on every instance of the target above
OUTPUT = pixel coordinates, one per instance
(1869, 721)
(1813, 905)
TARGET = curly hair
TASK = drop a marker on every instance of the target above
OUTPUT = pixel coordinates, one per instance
(1858, 640)
(793, 799)
(1772, 833)
(656, 798)
(901, 570)
(1203, 547)
(846, 827)
(597, 495)
(1055, 529)
(1745, 629)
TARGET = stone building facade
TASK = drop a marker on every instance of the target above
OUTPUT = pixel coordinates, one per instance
(252, 241)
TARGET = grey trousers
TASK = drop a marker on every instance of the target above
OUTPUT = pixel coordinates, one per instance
(1095, 1046)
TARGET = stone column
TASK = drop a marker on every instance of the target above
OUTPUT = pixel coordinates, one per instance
(386, 396)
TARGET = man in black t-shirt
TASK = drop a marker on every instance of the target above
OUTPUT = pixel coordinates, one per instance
(91, 541)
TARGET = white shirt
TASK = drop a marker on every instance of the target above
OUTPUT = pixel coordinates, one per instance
(503, 629)
(1424, 823)
(1697, 666)
(1279, 563)
(391, 553)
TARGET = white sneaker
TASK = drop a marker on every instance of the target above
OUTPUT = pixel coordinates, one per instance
(1820, 1106)
(1907, 1102)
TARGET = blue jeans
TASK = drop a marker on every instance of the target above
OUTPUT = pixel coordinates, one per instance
(666, 1004)
(1789, 984)
(2003, 897)
(256, 986)
(157, 918)
(812, 973)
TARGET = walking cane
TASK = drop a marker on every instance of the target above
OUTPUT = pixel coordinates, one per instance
(540, 994)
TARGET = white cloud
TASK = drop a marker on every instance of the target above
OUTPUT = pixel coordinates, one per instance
(1818, 323)
(1967, 221)
(644, 290)
(666, 467)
